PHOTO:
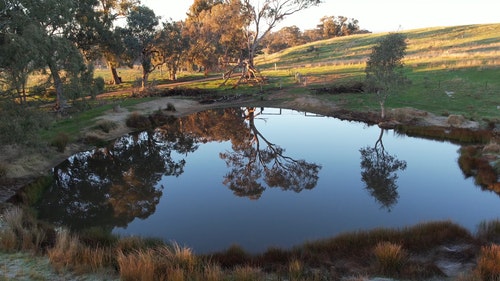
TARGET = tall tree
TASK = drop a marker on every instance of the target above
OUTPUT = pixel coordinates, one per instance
(215, 29)
(261, 17)
(173, 46)
(139, 39)
(19, 55)
(384, 68)
(109, 43)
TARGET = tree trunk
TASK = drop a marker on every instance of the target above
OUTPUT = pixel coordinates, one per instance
(117, 80)
(58, 84)
(382, 110)
(145, 76)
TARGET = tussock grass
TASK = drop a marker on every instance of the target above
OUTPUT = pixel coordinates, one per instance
(19, 231)
(390, 258)
(488, 266)
(106, 125)
(489, 231)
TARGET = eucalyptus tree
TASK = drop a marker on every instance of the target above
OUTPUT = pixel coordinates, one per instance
(215, 29)
(19, 56)
(261, 17)
(139, 40)
(384, 68)
(51, 31)
(109, 43)
(173, 46)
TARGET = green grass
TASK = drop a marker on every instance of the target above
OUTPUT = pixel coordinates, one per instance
(79, 120)
(462, 59)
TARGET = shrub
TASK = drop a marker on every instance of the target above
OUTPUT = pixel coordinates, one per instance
(170, 107)
(60, 141)
(138, 121)
(488, 266)
(390, 258)
(106, 125)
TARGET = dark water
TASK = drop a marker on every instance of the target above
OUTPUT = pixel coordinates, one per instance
(262, 179)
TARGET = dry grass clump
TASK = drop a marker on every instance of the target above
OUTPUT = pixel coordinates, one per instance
(70, 253)
(488, 266)
(390, 258)
(161, 263)
(106, 125)
(60, 142)
(247, 273)
(489, 231)
(20, 232)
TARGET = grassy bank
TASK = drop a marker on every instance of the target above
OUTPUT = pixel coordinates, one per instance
(407, 253)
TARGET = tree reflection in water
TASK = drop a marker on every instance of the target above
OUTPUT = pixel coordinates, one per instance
(379, 173)
(109, 187)
(255, 161)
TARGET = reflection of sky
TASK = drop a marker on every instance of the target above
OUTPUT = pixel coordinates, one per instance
(199, 211)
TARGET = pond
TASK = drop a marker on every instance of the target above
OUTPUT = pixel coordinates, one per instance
(260, 178)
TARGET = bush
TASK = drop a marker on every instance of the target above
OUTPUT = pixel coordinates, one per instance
(60, 141)
(21, 124)
(138, 121)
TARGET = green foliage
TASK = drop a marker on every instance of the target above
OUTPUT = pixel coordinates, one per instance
(21, 124)
(384, 68)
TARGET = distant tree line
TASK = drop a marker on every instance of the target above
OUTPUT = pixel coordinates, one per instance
(328, 27)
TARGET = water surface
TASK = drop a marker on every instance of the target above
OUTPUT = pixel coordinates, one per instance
(261, 178)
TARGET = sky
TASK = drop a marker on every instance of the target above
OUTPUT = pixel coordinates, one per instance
(373, 15)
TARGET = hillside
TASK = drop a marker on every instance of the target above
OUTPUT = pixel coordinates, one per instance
(444, 63)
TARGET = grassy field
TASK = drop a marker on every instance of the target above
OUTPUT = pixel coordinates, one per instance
(454, 70)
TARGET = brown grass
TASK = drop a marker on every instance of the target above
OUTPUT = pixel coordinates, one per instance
(390, 258)
(488, 266)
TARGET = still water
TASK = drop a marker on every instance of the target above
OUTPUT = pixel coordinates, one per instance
(263, 178)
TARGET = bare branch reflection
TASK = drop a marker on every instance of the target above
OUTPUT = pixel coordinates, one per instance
(379, 172)
(256, 161)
